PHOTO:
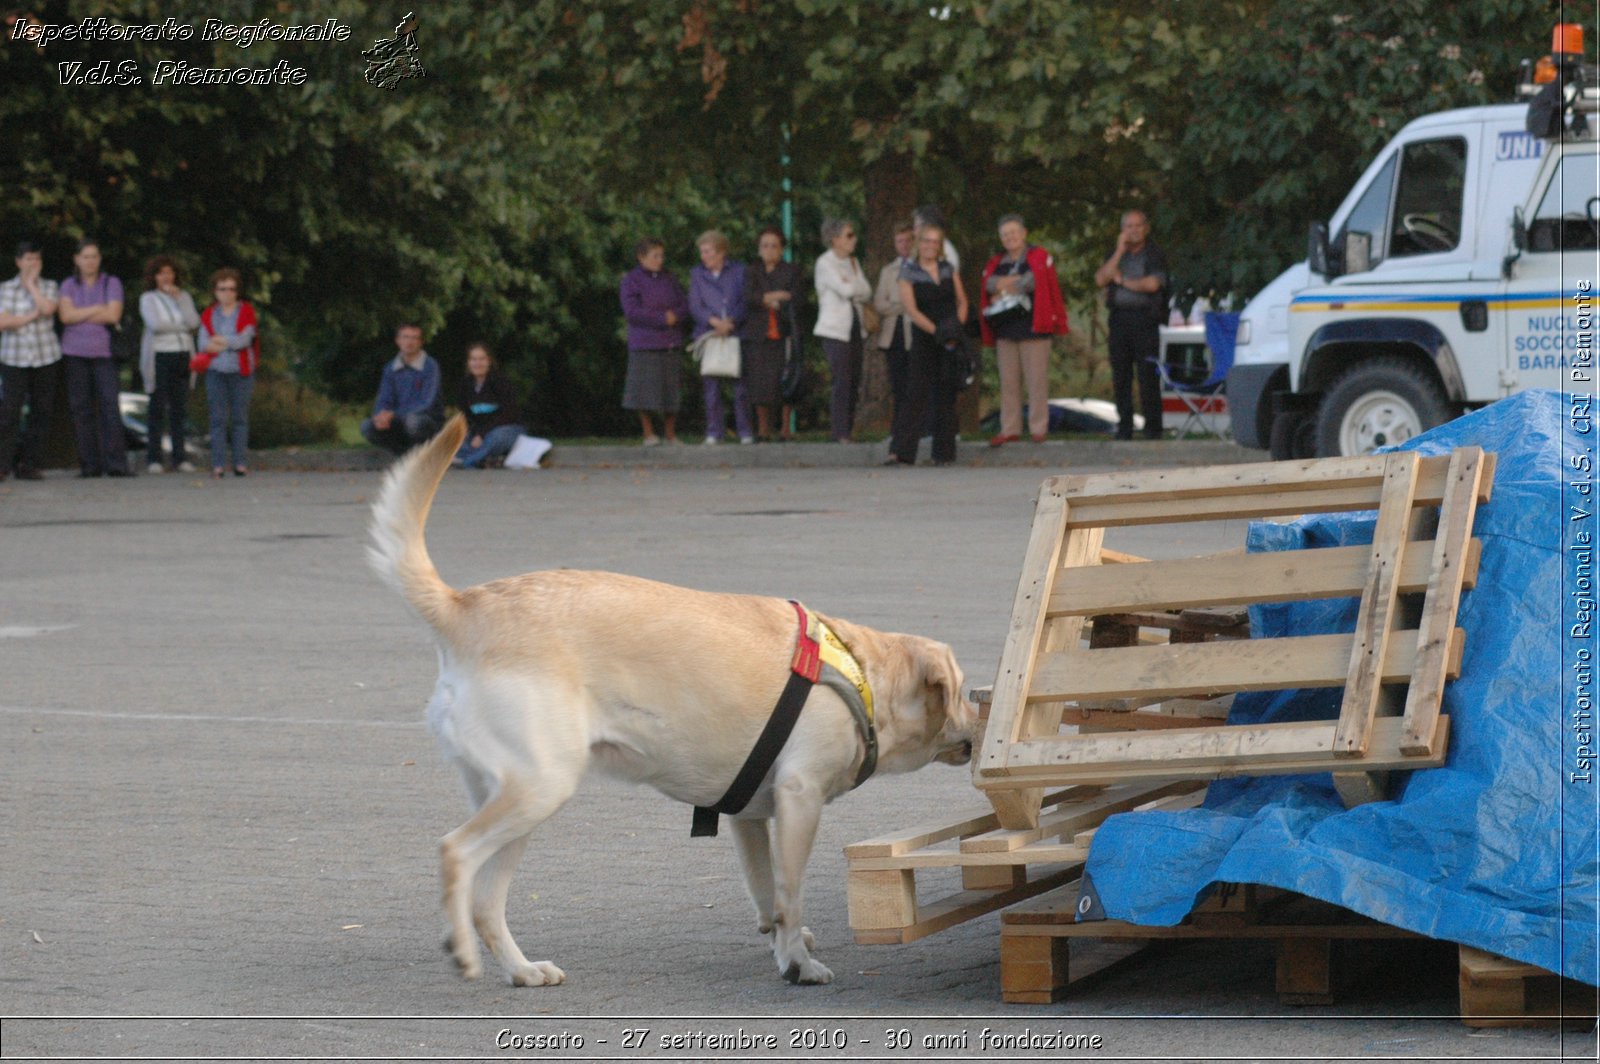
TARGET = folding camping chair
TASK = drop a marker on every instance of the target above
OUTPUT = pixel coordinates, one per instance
(1222, 330)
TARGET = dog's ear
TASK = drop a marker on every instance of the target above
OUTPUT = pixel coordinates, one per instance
(943, 679)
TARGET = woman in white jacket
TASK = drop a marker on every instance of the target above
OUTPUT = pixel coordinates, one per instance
(842, 290)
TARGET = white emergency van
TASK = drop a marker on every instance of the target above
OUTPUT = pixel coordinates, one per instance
(1461, 267)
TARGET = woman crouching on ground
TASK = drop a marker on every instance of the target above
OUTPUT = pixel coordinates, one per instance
(489, 401)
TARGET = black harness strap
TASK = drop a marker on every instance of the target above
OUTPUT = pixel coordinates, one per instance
(802, 677)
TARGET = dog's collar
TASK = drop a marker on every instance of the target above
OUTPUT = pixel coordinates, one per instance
(841, 671)
(817, 659)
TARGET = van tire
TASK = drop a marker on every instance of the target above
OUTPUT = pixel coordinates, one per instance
(1378, 403)
(1294, 435)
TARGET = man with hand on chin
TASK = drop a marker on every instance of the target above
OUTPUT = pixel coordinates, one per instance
(409, 409)
(1135, 278)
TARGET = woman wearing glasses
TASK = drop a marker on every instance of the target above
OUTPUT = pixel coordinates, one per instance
(842, 290)
(228, 354)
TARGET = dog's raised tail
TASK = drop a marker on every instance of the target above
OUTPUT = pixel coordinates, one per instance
(398, 552)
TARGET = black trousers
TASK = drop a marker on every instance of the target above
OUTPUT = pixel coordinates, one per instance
(35, 386)
(1135, 345)
(96, 419)
(930, 380)
(169, 406)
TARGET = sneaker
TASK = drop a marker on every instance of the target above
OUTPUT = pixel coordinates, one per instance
(186, 467)
(747, 439)
(652, 441)
(154, 467)
(711, 441)
(1001, 441)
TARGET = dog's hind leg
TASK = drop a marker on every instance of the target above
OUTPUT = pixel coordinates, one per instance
(489, 917)
(506, 819)
(799, 808)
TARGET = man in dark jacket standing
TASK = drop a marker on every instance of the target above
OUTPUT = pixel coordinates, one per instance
(1135, 279)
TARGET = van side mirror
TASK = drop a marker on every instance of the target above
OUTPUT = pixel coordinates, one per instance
(1317, 256)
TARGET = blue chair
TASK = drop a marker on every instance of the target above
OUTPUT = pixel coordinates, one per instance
(1222, 331)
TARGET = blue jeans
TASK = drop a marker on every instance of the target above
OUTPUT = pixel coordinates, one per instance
(228, 397)
(497, 443)
(96, 420)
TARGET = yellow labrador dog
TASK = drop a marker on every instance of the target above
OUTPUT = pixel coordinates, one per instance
(542, 675)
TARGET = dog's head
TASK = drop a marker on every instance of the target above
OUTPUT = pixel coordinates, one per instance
(926, 718)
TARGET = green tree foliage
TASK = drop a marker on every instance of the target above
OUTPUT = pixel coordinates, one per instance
(499, 197)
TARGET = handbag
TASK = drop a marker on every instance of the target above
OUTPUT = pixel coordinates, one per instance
(792, 385)
(718, 355)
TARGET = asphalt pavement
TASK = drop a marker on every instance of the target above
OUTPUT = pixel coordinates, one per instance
(220, 808)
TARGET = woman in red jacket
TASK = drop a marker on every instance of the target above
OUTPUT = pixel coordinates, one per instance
(1021, 309)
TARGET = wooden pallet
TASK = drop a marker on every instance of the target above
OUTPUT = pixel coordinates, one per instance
(998, 867)
(1037, 939)
(1422, 546)
(1496, 992)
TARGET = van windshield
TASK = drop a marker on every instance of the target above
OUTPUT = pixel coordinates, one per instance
(1568, 211)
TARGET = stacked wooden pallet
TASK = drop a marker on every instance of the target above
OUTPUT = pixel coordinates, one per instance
(1113, 688)
(1422, 546)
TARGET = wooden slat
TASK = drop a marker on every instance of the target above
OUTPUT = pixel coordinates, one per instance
(1040, 564)
(967, 905)
(1376, 616)
(1238, 750)
(930, 834)
(1226, 579)
(1180, 669)
(1074, 817)
(1115, 513)
(1232, 480)
(1448, 566)
(1038, 853)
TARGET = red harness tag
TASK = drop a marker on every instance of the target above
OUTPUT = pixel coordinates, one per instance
(807, 651)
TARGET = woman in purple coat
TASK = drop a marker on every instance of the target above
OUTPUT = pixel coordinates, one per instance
(656, 308)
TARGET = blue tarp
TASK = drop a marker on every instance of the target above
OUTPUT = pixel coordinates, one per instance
(1498, 848)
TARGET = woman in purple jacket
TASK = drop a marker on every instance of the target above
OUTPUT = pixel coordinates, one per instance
(655, 307)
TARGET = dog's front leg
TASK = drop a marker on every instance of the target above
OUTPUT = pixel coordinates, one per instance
(799, 807)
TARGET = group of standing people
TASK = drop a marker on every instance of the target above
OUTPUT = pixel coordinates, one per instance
(178, 343)
(923, 311)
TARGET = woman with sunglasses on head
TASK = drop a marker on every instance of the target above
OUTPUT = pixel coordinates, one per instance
(842, 290)
(931, 292)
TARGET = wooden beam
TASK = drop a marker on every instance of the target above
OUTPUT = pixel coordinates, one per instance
(1238, 750)
(1226, 579)
(1180, 669)
(1375, 619)
(1448, 569)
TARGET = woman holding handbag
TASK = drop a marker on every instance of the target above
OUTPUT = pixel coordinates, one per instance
(771, 287)
(842, 291)
(170, 321)
(931, 292)
(716, 303)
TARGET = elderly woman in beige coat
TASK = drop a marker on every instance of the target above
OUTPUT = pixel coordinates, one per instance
(842, 291)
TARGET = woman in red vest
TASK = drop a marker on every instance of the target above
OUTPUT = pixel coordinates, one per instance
(1021, 309)
(229, 351)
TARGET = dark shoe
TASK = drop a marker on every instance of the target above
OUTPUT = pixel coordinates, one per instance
(1121, 437)
(89, 474)
(28, 473)
(120, 473)
(893, 461)
(1156, 435)
(240, 471)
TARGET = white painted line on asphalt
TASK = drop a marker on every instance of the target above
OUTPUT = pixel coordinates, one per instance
(28, 631)
(203, 718)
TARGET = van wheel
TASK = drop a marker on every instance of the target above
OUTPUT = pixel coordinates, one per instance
(1294, 435)
(1378, 404)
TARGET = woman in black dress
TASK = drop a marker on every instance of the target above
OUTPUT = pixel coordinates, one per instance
(770, 289)
(931, 291)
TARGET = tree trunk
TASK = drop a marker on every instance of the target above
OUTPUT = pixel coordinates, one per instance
(891, 188)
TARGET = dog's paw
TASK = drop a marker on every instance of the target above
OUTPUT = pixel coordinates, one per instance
(809, 972)
(805, 935)
(467, 961)
(538, 973)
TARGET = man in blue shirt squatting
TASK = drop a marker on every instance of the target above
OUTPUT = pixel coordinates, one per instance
(409, 409)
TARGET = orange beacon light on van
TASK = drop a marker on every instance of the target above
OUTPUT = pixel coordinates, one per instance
(1567, 39)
